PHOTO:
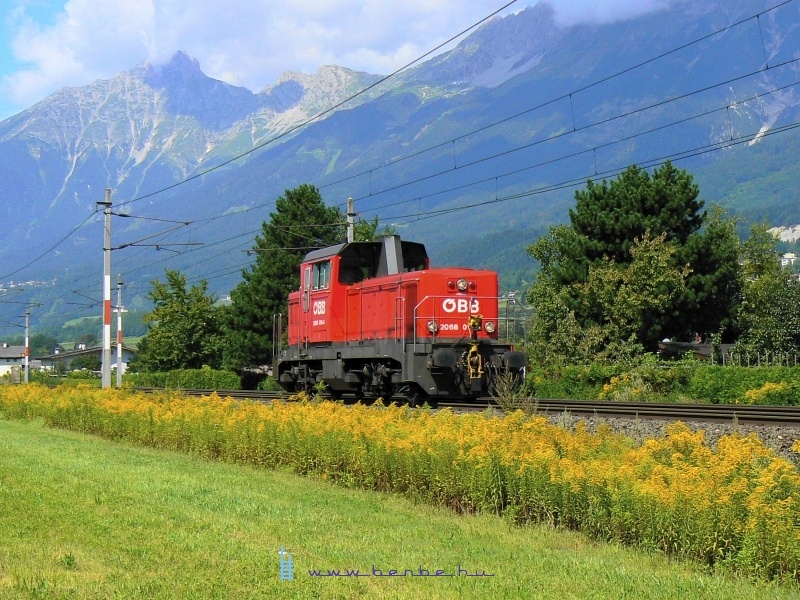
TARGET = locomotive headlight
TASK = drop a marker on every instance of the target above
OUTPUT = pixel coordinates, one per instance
(433, 326)
(462, 285)
(489, 326)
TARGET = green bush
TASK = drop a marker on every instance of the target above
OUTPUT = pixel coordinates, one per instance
(669, 381)
(780, 394)
(156, 380)
(89, 362)
(82, 374)
(586, 382)
(726, 385)
(268, 384)
(201, 379)
(571, 381)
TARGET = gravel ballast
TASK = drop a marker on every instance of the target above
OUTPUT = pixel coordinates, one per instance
(779, 438)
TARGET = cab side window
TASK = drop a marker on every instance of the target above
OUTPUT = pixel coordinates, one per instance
(321, 275)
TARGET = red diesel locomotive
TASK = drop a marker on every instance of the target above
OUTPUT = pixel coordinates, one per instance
(373, 319)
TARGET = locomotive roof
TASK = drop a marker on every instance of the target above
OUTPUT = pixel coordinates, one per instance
(325, 252)
(385, 256)
(377, 245)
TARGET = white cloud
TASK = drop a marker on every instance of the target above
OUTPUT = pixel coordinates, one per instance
(571, 12)
(88, 40)
(248, 42)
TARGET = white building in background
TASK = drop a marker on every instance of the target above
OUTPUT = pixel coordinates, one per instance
(12, 358)
(65, 357)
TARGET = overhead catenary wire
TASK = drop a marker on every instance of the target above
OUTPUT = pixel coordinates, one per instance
(609, 173)
(562, 157)
(373, 193)
(605, 121)
(585, 151)
(565, 96)
(557, 136)
(324, 112)
(279, 136)
(696, 151)
(433, 213)
(53, 247)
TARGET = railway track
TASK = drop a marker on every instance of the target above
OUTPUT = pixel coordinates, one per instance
(235, 394)
(765, 415)
(720, 413)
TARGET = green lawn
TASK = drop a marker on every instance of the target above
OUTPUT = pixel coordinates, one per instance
(81, 517)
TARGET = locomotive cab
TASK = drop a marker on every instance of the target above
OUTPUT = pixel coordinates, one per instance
(373, 319)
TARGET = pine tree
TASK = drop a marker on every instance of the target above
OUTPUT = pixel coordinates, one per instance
(300, 223)
(608, 216)
(607, 220)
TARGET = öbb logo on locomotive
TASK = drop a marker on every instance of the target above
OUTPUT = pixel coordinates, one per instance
(460, 305)
(393, 325)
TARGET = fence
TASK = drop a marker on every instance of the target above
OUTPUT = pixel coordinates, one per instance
(760, 359)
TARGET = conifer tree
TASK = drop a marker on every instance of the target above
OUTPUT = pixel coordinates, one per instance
(300, 223)
(605, 225)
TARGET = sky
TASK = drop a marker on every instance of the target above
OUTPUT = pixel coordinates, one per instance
(48, 44)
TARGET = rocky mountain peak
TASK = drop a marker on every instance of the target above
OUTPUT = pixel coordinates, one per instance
(190, 92)
(497, 51)
(329, 85)
(181, 67)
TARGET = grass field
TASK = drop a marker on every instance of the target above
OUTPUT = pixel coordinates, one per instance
(82, 517)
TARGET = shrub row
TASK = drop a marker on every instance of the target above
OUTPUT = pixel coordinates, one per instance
(572, 381)
(722, 385)
(652, 380)
(199, 379)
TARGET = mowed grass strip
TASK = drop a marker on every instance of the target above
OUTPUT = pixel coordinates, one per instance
(81, 517)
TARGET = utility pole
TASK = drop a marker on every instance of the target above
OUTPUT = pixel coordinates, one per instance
(106, 368)
(351, 221)
(120, 310)
(27, 350)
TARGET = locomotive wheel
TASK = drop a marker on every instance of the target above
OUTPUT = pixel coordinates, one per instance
(414, 396)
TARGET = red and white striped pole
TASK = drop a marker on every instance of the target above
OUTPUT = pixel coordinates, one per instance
(27, 347)
(120, 310)
(106, 368)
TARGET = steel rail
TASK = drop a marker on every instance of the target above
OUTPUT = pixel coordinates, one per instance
(257, 395)
(743, 413)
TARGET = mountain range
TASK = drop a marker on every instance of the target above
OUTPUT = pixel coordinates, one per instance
(474, 152)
